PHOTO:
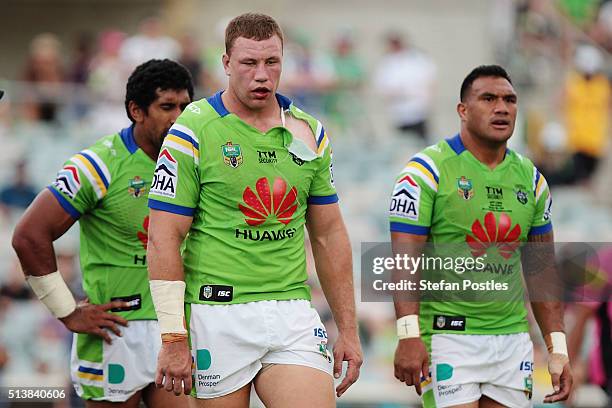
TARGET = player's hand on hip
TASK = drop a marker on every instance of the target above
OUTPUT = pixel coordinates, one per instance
(96, 319)
(174, 368)
(411, 360)
(561, 377)
(347, 348)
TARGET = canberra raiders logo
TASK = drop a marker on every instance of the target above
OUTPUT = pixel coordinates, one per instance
(232, 155)
(464, 188)
(137, 187)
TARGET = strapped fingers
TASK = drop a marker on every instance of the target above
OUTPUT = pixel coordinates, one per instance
(416, 382)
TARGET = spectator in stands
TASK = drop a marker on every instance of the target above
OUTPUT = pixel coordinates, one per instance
(343, 103)
(150, 43)
(586, 106)
(307, 74)
(45, 72)
(405, 78)
(191, 59)
(20, 193)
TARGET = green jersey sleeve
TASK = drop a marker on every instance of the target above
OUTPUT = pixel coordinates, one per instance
(413, 196)
(322, 189)
(176, 181)
(81, 183)
(542, 222)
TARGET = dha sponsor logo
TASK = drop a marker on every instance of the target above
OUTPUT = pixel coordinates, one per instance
(405, 200)
(165, 177)
(494, 233)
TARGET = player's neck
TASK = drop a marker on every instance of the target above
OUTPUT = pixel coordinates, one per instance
(262, 119)
(144, 143)
(490, 154)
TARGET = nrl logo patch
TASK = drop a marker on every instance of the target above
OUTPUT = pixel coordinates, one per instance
(440, 322)
(137, 187)
(232, 155)
(207, 292)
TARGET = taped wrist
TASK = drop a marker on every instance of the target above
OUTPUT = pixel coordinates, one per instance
(53, 292)
(556, 343)
(169, 302)
(408, 327)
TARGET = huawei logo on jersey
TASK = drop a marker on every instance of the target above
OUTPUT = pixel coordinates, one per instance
(143, 237)
(266, 200)
(498, 234)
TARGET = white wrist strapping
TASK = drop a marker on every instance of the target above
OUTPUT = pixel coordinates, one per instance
(408, 327)
(169, 301)
(559, 344)
(53, 292)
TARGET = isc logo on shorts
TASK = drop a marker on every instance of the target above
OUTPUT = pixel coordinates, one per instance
(456, 323)
(216, 293)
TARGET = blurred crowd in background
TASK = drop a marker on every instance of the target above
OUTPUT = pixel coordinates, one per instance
(69, 94)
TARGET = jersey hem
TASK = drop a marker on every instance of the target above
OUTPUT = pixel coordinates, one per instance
(299, 294)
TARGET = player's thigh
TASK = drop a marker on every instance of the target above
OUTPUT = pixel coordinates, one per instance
(474, 404)
(160, 398)
(132, 402)
(295, 386)
(237, 399)
(487, 402)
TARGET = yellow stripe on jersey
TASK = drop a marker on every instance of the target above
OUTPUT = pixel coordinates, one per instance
(184, 143)
(423, 170)
(92, 172)
(323, 145)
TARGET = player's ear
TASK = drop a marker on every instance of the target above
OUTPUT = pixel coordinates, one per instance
(461, 110)
(225, 59)
(136, 112)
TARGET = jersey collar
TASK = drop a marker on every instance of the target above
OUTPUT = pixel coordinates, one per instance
(217, 103)
(127, 135)
(456, 144)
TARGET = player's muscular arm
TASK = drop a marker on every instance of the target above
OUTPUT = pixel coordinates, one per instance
(546, 289)
(333, 260)
(543, 282)
(42, 223)
(411, 357)
(166, 233)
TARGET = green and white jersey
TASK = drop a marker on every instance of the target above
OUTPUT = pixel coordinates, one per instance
(446, 193)
(105, 187)
(248, 192)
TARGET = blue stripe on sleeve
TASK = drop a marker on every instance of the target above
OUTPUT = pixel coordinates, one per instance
(171, 208)
(321, 200)
(427, 166)
(542, 229)
(185, 137)
(69, 208)
(409, 229)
